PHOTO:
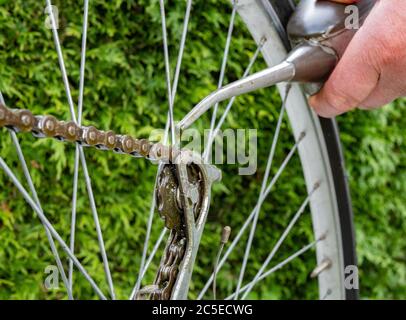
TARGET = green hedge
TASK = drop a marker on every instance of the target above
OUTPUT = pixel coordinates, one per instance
(125, 91)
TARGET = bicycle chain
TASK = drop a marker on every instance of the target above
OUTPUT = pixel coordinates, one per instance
(169, 268)
(170, 208)
(45, 126)
(167, 190)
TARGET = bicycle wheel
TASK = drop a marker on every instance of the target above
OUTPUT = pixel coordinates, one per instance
(316, 141)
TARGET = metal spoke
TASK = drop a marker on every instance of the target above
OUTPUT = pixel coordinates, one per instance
(154, 250)
(83, 60)
(277, 267)
(181, 51)
(147, 237)
(61, 61)
(97, 224)
(280, 241)
(264, 183)
(73, 213)
(230, 103)
(148, 262)
(49, 226)
(76, 164)
(167, 69)
(170, 123)
(81, 152)
(149, 224)
(34, 193)
(251, 216)
(223, 64)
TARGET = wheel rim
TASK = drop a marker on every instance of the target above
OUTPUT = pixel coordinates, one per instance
(324, 211)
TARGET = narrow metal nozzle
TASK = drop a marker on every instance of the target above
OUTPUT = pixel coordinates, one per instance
(306, 63)
(282, 72)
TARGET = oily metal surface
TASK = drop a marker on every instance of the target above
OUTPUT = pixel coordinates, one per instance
(170, 208)
(45, 126)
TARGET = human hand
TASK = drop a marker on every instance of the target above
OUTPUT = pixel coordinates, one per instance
(372, 71)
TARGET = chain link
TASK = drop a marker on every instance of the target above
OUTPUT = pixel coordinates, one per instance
(170, 209)
(44, 126)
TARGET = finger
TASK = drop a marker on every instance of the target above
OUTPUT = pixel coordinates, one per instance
(388, 89)
(352, 81)
(379, 97)
(391, 83)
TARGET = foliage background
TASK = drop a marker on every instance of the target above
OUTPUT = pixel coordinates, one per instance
(125, 91)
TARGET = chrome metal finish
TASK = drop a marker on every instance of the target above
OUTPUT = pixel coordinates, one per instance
(324, 22)
(312, 62)
(225, 234)
(280, 73)
(315, 19)
(324, 265)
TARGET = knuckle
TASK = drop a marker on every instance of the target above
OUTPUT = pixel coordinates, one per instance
(385, 47)
(379, 52)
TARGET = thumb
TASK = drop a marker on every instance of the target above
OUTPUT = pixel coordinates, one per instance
(353, 80)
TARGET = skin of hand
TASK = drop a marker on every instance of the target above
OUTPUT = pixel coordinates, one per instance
(372, 71)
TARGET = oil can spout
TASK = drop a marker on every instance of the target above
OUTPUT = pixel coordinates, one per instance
(265, 78)
(306, 63)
